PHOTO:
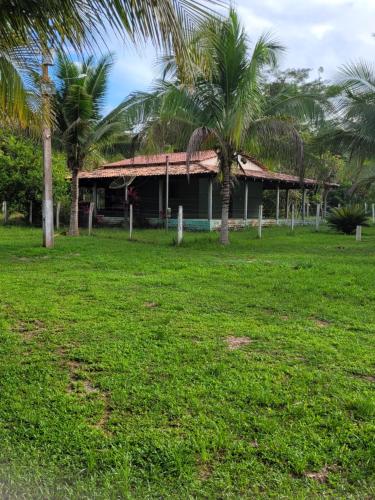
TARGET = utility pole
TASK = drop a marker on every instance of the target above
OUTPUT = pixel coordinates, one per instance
(47, 91)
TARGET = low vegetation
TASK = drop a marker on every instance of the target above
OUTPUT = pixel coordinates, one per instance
(346, 219)
(144, 370)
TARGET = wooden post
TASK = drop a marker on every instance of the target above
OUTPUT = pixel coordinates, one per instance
(160, 197)
(278, 205)
(292, 219)
(5, 212)
(58, 208)
(317, 219)
(245, 202)
(287, 204)
(180, 225)
(209, 201)
(130, 221)
(373, 213)
(358, 233)
(91, 211)
(166, 192)
(260, 221)
(31, 213)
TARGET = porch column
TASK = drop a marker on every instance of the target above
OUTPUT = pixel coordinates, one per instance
(166, 191)
(287, 204)
(160, 197)
(277, 204)
(303, 204)
(246, 199)
(209, 200)
(94, 197)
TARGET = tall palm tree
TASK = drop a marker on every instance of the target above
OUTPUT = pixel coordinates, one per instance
(224, 105)
(28, 27)
(82, 130)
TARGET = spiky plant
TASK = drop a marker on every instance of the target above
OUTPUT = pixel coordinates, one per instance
(346, 219)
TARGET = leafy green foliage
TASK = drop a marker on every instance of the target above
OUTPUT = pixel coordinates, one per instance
(21, 172)
(122, 384)
(346, 219)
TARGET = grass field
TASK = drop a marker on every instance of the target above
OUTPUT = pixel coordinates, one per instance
(142, 370)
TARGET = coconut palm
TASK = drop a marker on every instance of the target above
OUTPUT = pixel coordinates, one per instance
(81, 129)
(224, 105)
(27, 27)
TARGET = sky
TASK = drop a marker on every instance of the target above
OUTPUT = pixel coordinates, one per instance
(316, 33)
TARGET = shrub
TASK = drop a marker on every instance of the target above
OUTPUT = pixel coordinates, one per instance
(346, 219)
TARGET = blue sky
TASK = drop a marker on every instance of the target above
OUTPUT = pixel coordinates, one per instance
(316, 33)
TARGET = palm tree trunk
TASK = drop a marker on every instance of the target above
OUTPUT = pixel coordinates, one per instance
(73, 225)
(225, 201)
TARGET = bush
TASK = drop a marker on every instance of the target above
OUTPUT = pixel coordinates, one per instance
(346, 219)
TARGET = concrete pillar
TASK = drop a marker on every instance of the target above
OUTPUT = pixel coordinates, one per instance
(209, 200)
(160, 196)
(246, 201)
(277, 205)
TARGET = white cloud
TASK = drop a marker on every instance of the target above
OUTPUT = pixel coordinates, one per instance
(320, 30)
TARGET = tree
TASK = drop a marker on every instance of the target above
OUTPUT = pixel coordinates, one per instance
(82, 130)
(223, 105)
(29, 27)
(20, 172)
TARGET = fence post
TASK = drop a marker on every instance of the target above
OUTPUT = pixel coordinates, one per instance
(91, 211)
(317, 218)
(31, 213)
(292, 219)
(373, 213)
(58, 208)
(180, 225)
(358, 233)
(260, 221)
(5, 212)
(130, 221)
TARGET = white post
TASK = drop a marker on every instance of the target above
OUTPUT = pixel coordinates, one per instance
(166, 192)
(317, 219)
(130, 221)
(5, 212)
(246, 201)
(292, 219)
(31, 213)
(91, 210)
(373, 213)
(287, 204)
(308, 210)
(209, 201)
(58, 207)
(277, 205)
(260, 220)
(365, 208)
(160, 197)
(180, 225)
(303, 205)
(358, 233)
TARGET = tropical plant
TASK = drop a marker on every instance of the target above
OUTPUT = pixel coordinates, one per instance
(223, 105)
(82, 130)
(21, 175)
(346, 219)
(28, 27)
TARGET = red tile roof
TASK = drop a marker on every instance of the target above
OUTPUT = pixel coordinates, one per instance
(204, 162)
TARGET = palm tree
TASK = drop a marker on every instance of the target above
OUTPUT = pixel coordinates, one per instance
(82, 130)
(224, 105)
(28, 27)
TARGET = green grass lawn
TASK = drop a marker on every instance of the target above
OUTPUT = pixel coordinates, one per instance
(142, 370)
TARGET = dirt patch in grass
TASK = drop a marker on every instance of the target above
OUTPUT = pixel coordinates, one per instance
(322, 475)
(205, 471)
(151, 305)
(30, 329)
(369, 378)
(237, 342)
(321, 323)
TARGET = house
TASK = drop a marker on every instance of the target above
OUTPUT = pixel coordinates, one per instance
(157, 184)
